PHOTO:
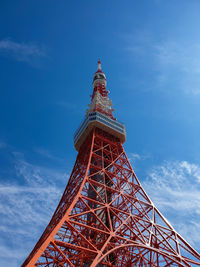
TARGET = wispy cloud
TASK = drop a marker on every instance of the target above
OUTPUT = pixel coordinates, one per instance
(168, 60)
(184, 56)
(180, 58)
(175, 189)
(26, 207)
(21, 51)
(34, 174)
(135, 156)
(45, 153)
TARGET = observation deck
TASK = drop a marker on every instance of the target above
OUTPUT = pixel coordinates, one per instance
(96, 119)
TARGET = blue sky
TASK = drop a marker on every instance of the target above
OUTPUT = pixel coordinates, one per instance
(150, 52)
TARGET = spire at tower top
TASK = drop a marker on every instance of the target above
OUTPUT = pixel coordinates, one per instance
(99, 66)
(99, 76)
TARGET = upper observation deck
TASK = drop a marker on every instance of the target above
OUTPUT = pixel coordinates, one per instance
(96, 119)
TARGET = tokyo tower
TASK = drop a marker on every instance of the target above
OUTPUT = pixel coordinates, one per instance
(104, 217)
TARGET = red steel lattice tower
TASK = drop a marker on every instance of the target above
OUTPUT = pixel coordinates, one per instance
(104, 217)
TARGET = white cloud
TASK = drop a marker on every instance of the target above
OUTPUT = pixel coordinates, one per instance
(21, 51)
(36, 174)
(26, 208)
(175, 189)
(11, 257)
(134, 156)
(185, 57)
(181, 60)
(45, 153)
(168, 60)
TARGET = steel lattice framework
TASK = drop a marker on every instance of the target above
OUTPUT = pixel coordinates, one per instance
(105, 218)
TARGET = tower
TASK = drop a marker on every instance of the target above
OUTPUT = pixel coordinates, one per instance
(104, 217)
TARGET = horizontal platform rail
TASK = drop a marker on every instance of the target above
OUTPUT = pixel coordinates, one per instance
(100, 120)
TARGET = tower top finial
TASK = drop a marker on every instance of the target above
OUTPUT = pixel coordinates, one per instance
(99, 76)
(99, 66)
